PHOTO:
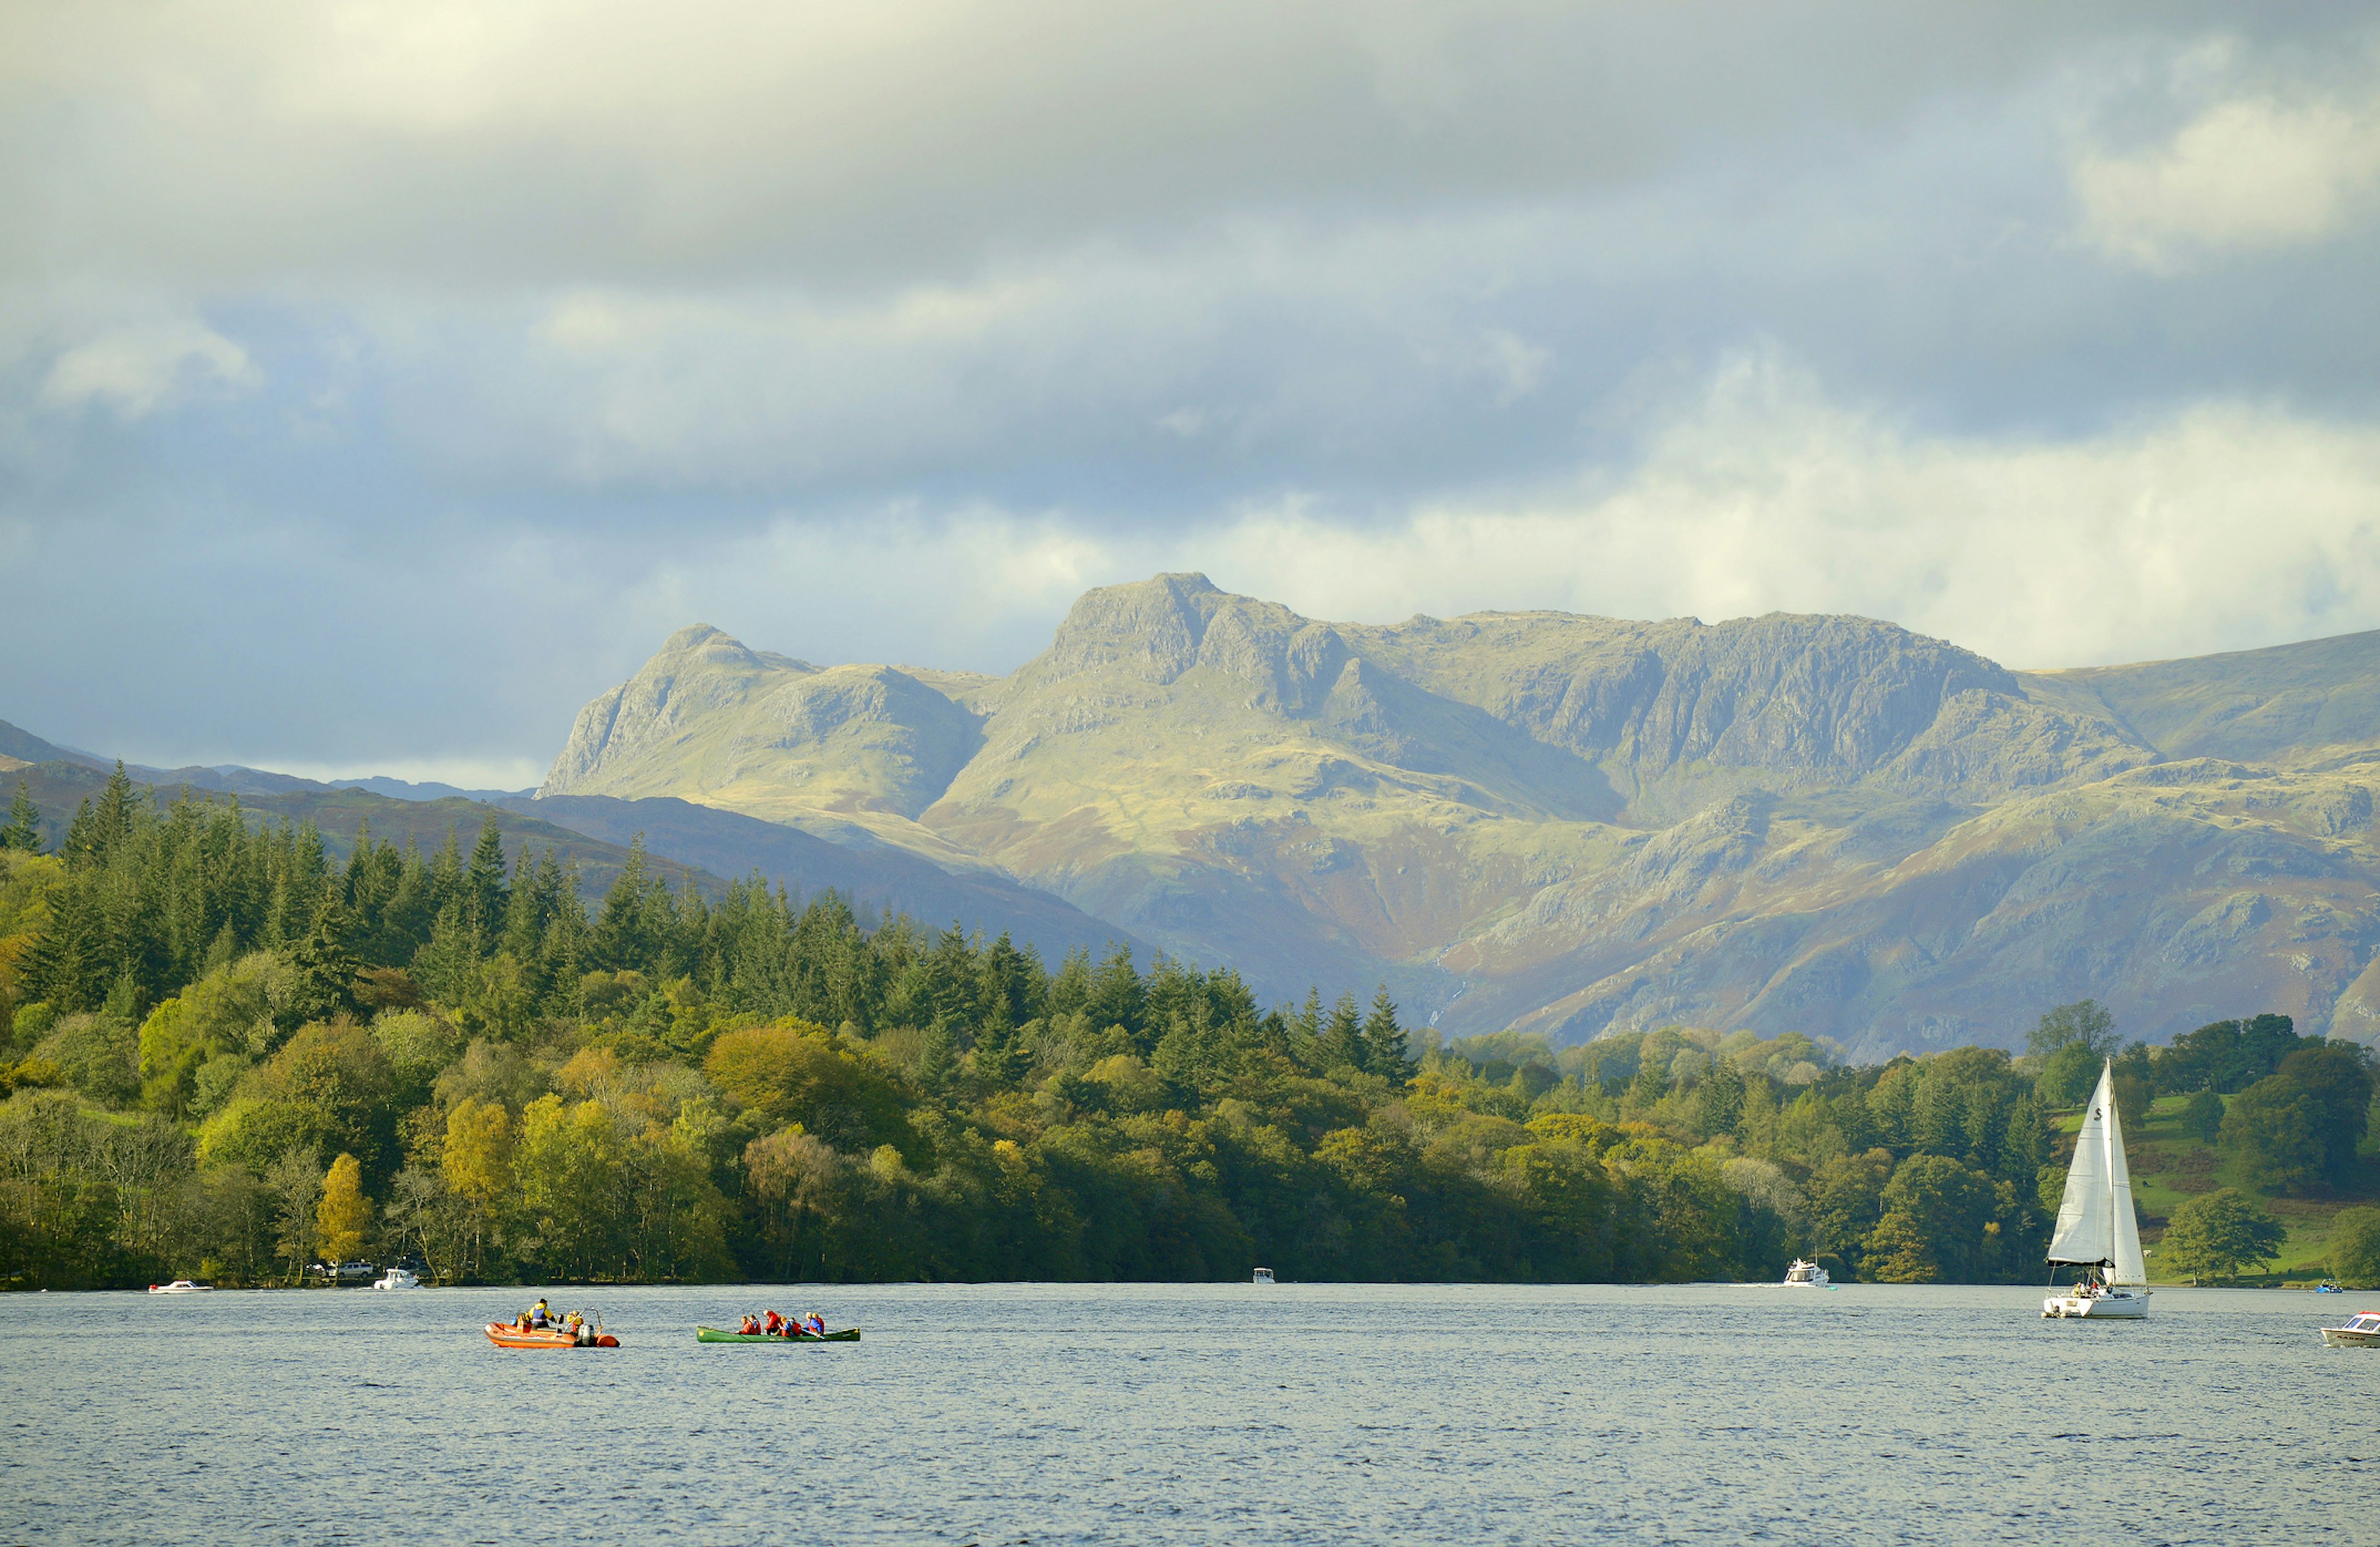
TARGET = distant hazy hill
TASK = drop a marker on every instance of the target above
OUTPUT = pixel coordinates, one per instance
(1829, 825)
(22, 746)
(685, 842)
(880, 878)
(58, 787)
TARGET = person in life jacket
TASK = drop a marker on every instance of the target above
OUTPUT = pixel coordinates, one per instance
(814, 1325)
(540, 1316)
(773, 1324)
(751, 1327)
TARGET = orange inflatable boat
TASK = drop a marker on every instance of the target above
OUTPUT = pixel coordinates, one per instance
(503, 1334)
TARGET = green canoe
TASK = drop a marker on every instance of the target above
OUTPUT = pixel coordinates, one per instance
(712, 1334)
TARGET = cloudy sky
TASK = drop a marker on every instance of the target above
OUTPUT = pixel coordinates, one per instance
(377, 382)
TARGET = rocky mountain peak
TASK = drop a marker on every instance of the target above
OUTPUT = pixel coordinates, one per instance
(1824, 822)
(1149, 629)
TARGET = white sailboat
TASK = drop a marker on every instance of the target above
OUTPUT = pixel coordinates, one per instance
(2097, 1227)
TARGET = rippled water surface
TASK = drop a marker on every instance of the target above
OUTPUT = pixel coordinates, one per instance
(1174, 1414)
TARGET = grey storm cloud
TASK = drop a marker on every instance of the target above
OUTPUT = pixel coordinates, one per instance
(378, 381)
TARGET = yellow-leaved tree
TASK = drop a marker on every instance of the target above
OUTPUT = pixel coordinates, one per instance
(345, 1214)
(478, 1162)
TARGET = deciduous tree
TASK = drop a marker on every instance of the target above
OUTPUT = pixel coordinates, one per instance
(344, 1217)
(2217, 1234)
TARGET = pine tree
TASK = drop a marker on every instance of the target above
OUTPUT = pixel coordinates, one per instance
(112, 820)
(410, 915)
(82, 848)
(1385, 1053)
(24, 829)
(443, 966)
(1070, 986)
(1000, 1052)
(1117, 997)
(445, 875)
(1009, 980)
(1306, 1026)
(484, 892)
(326, 969)
(1342, 1044)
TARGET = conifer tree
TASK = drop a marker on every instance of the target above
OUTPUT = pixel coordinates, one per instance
(111, 819)
(1306, 1027)
(484, 892)
(1385, 1053)
(1070, 986)
(443, 964)
(1000, 1054)
(24, 829)
(82, 848)
(1117, 997)
(1342, 1044)
(326, 969)
(623, 934)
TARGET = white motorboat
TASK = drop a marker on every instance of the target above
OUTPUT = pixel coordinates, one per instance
(1806, 1275)
(2097, 1230)
(396, 1278)
(2362, 1331)
(1264, 1275)
(181, 1286)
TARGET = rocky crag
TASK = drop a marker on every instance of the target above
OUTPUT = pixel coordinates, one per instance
(1829, 825)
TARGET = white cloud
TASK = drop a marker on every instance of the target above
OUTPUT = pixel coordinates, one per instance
(139, 369)
(848, 142)
(2255, 172)
(2223, 526)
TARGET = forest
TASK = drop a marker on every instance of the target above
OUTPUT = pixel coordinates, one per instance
(229, 1058)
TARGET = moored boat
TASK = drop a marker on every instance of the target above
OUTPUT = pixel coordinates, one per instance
(2361, 1331)
(714, 1335)
(181, 1286)
(2097, 1227)
(1263, 1275)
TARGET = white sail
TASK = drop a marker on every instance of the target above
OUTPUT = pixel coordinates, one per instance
(2126, 1266)
(2085, 1223)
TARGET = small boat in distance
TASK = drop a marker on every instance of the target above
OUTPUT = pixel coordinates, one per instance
(1806, 1275)
(396, 1278)
(2096, 1226)
(181, 1286)
(1264, 1275)
(2362, 1330)
(714, 1335)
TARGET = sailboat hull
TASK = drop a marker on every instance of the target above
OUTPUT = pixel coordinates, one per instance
(2120, 1306)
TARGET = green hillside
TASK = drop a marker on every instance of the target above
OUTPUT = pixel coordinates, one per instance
(2171, 1167)
(2281, 704)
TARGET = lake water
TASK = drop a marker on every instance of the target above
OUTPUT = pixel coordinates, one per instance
(1190, 1414)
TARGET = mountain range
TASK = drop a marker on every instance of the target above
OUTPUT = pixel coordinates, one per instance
(1573, 824)
(1538, 820)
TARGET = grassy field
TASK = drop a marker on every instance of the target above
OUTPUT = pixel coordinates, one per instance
(2169, 1167)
